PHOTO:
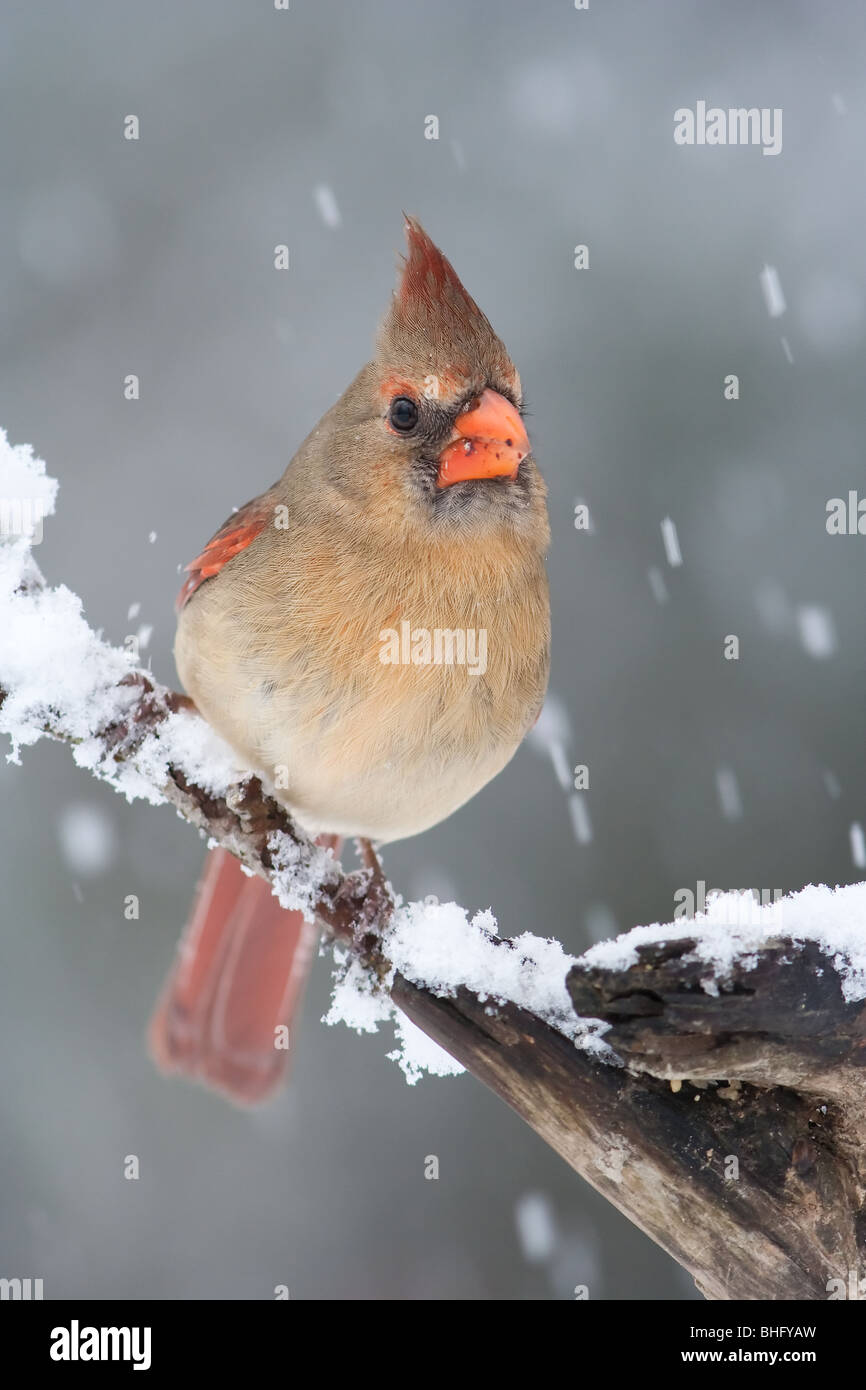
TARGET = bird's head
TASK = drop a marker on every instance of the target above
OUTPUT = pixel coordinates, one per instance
(439, 409)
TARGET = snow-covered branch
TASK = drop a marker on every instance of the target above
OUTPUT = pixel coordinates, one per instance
(706, 1076)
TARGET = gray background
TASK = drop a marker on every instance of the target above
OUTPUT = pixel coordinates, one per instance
(156, 258)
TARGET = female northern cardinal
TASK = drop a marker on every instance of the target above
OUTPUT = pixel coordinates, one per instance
(371, 635)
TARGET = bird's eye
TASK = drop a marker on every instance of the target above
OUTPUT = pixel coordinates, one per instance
(403, 414)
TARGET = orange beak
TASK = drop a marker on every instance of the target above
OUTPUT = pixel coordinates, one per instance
(489, 441)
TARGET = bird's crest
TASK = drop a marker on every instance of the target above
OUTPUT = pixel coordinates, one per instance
(429, 280)
(434, 323)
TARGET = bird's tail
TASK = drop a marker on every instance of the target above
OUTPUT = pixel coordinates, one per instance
(227, 1006)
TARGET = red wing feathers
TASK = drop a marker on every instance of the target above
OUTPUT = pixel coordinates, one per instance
(237, 533)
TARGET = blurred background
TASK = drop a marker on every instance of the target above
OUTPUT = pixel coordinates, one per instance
(156, 257)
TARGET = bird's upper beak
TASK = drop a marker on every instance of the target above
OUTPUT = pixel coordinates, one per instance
(489, 441)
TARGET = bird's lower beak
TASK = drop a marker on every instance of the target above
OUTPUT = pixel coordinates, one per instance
(489, 441)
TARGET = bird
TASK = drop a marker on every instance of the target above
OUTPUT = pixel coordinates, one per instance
(371, 636)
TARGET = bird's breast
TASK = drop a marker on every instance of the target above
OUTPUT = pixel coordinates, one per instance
(370, 713)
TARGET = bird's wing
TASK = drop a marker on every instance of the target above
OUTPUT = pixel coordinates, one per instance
(235, 535)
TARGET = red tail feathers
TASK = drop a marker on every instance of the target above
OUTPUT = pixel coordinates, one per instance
(240, 971)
